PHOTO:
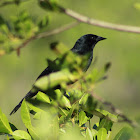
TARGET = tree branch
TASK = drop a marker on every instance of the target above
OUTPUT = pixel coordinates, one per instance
(46, 34)
(99, 23)
(115, 110)
(42, 35)
(58, 30)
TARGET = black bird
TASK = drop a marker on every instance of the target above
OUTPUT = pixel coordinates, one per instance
(83, 45)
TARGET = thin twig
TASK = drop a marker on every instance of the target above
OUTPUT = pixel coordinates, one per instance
(47, 34)
(58, 30)
(115, 110)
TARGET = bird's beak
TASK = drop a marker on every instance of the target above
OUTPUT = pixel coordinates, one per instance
(99, 38)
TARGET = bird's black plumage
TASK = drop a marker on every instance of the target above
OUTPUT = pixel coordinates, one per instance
(83, 45)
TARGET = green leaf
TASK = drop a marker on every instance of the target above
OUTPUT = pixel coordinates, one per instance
(69, 114)
(63, 101)
(48, 126)
(102, 134)
(25, 115)
(63, 112)
(124, 134)
(4, 124)
(84, 99)
(54, 79)
(59, 47)
(42, 97)
(8, 137)
(50, 5)
(37, 116)
(34, 108)
(89, 135)
(4, 29)
(105, 123)
(112, 117)
(23, 26)
(34, 133)
(94, 132)
(75, 106)
(90, 104)
(20, 134)
(82, 118)
(44, 22)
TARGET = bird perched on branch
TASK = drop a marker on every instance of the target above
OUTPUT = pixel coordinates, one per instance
(84, 45)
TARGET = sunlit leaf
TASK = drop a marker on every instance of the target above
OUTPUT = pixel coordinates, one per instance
(44, 22)
(34, 133)
(37, 116)
(102, 134)
(25, 115)
(63, 101)
(51, 5)
(54, 79)
(20, 134)
(111, 116)
(105, 123)
(4, 124)
(34, 108)
(89, 135)
(82, 118)
(43, 97)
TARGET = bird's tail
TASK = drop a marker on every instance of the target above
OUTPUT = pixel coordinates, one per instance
(28, 95)
(17, 107)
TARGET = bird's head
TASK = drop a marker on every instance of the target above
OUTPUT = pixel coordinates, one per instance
(86, 43)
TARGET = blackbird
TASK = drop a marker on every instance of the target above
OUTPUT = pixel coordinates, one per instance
(83, 45)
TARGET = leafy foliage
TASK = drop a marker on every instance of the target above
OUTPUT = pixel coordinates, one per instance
(65, 112)
(19, 29)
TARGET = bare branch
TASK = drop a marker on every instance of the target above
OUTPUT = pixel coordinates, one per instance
(95, 22)
(91, 21)
(115, 110)
(58, 30)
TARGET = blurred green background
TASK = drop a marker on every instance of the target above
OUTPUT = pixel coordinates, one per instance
(17, 74)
